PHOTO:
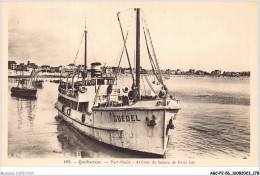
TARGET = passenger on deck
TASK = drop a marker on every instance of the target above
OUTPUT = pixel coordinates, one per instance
(163, 92)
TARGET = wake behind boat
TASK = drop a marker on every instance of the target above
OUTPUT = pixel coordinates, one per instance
(124, 117)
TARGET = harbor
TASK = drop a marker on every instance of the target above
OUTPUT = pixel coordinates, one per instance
(215, 122)
(93, 110)
(130, 88)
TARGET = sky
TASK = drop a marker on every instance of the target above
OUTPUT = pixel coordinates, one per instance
(198, 35)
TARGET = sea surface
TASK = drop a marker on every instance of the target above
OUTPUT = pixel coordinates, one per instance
(214, 122)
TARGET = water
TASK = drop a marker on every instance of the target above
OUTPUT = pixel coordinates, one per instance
(214, 122)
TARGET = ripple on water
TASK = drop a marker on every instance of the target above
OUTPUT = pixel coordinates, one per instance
(214, 122)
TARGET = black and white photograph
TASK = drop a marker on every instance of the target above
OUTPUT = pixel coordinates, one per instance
(166, 81)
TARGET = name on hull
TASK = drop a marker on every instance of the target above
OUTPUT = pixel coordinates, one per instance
(126, 118)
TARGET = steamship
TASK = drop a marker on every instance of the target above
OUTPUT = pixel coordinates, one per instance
(98, 107)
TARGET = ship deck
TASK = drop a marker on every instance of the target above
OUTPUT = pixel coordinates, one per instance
(140, 105)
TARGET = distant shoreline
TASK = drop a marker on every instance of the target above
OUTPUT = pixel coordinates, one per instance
(188, 76)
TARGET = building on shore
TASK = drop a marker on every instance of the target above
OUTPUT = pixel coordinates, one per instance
(173, 72)
(236, 74)
(13, 69)
(199, 72)
(45, 68)
(31, 65)
(126, 71)
(191, 71)
(168, 72)
(107, 70)
(11, 65)
(216, 73)
(178, 72)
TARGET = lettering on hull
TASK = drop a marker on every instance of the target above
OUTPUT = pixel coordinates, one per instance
(126, 118)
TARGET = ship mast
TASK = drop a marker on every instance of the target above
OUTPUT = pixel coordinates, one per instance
(85, 60)
(137, 92)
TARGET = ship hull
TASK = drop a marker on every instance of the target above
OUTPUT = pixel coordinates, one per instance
(142, 130)
(23, 92)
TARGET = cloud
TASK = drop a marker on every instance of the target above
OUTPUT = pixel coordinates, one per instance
(184, 35)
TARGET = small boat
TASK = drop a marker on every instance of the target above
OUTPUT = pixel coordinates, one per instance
(166, 77)
(35, 80)
(24, 87)
(37, 83)
(116, 115)
(23, 92)
(55, 81)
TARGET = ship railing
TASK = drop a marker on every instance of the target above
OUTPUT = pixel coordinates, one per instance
(69, 93)
(61, 90)
(104, 101)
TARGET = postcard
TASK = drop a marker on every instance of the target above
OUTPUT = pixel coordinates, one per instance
(158, 84)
